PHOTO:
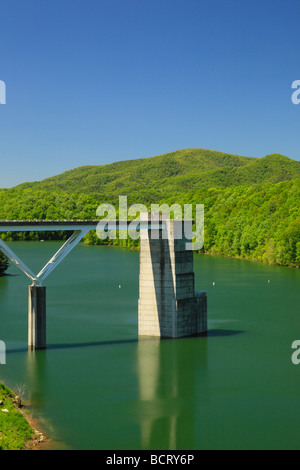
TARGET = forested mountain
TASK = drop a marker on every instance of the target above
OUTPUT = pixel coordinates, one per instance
(167, 174)
(252, 205)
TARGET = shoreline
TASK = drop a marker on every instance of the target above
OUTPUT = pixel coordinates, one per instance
(13, 405)
(137, 248)
(249, 259)
(132, 248)
(39, 440)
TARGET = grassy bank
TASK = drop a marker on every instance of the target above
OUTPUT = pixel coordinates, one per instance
(16, 432)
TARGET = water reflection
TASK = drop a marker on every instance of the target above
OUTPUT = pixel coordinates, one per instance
(169, 374)
(37, 379)
(36, 363)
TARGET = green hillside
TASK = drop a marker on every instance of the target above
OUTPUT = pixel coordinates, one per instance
(252, 205)
(177, 171)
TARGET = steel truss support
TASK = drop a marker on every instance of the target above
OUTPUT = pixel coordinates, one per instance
(59, 256)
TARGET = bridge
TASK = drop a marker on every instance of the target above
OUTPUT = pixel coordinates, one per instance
(167, 305)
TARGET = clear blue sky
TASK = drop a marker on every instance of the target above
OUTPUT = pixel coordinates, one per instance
(97, 81)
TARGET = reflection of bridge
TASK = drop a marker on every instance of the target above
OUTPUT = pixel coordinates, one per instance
(167, 304)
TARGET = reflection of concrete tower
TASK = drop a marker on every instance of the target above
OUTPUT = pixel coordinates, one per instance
(168, 306)
(167, 383)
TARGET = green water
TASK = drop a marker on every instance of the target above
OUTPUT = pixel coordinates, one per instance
(98, 386)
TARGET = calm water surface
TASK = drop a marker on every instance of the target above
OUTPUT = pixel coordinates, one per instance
(98, 386)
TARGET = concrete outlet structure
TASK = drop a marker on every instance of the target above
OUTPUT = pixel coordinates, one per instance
(168, 306)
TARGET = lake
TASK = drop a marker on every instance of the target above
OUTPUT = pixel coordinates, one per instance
(99, 386)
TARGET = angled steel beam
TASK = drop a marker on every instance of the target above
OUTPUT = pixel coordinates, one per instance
(17, 261)
(59, 256)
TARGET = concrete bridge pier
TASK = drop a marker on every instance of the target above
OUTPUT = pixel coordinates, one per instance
(37, 317)
(168, 306)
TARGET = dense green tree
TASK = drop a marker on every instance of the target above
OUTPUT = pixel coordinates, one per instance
(3, 263)
(251, 205)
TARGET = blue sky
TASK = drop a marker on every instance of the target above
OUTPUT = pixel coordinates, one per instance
(97, 81)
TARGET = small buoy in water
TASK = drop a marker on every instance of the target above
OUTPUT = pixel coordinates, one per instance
(119, 286)
(42, 240)
(268, 281)
(213, 283)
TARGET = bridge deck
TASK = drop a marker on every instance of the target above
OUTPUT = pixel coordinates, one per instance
(74, 225)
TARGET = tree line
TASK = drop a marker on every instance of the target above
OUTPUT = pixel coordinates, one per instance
(259, 222)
